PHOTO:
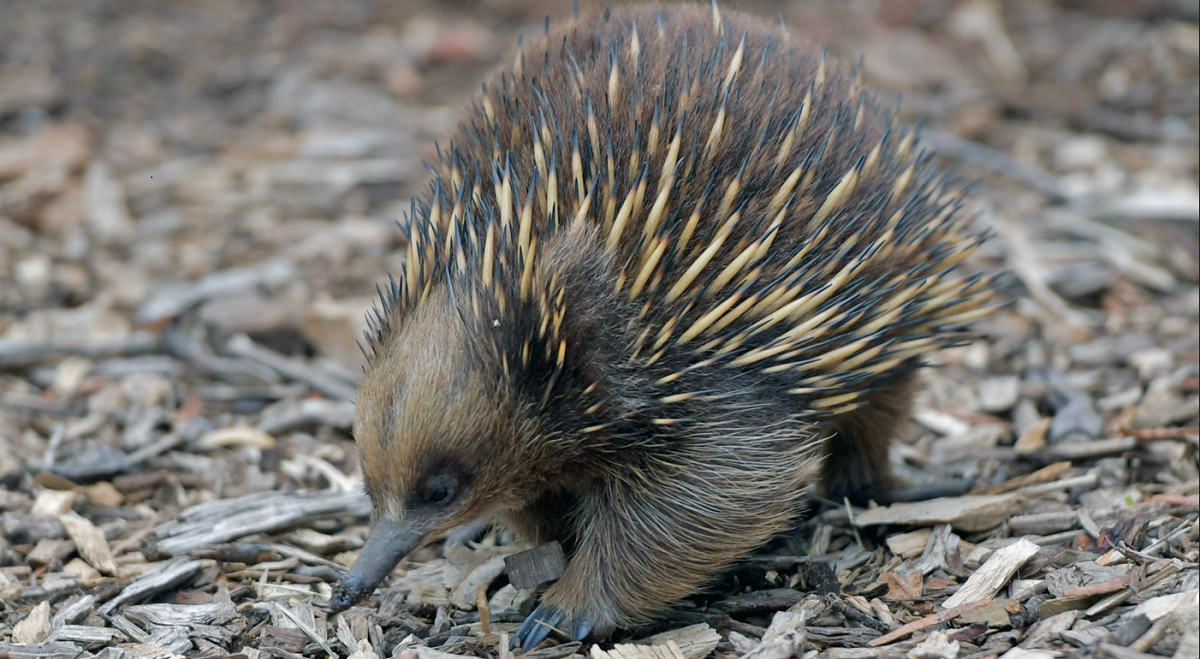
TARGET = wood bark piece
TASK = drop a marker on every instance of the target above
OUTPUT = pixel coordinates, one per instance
(53, 502)
(90, 542)
(462, 595)
(938, 645)
(85, 635)
(181, 615)
(1045, 630)
(1158, 607)
(73, 611)
(966, 513)
(1023, 653)
(926, 622)
(534, 567)
(363, 650)
(296, 369)
(1044, 523)
(694, 641)
(993, 574)
(47, 650)
(173, 300)
(22, 353)
(223, 520)
(422, 652)
(1110, 651)
(907, 545)
(35, 627)
(630, 651)
(771, 599)
(784, 638)
(49, 550)
(942, 546)
(168, 575)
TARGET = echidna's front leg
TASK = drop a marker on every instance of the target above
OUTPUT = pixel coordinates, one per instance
(643, 545)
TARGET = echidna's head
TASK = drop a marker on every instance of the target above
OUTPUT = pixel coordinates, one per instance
(443, 439)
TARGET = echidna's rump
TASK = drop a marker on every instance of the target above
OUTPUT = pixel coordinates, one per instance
(669, 259)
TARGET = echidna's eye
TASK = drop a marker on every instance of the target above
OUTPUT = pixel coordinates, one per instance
(439, 490)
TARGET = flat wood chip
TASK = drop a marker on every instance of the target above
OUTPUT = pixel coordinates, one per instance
(993, 574)
(965, 513)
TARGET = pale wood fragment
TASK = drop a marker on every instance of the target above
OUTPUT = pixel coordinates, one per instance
(53, 502)
(363, 650)
(694, 641)
(784, 638)
(965, 513)
(937, 646)
(89, 541)
(907, 545)
(35, 627)
(631, 651)
(993, 574)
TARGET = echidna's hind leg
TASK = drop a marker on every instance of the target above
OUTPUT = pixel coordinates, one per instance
(856, 455)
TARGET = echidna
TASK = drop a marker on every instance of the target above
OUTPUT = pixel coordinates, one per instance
(673, 269)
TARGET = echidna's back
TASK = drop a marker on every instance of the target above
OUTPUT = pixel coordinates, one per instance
(764, 214)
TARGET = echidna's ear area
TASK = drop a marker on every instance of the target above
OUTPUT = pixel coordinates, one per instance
(759, 212)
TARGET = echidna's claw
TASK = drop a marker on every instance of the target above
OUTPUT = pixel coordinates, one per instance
(582, 628)
(537, 627)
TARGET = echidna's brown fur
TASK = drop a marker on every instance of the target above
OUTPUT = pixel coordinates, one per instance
(667, 261)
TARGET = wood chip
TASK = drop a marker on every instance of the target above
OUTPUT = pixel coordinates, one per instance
(937, 645)
(1046, 474)
(236, 436)
(1022, 653)
(181, 615)
(907, 545)
(48, 551)
(53, 502)
(997, 614)
(993, 574)
(363, 650)
(81, 569)
(1110, 651)
(223, 520)
(1158, 607)
(74, 610)
(462, 595)
(85, 635)
(694, 641)
(925, 623)
(47, 650)
(1043, 631)
(167, 575)
(282, 638)
(669, 650)
(965, 513)
(35, 627)
(90, 542)
(534, 567)
(784, 638)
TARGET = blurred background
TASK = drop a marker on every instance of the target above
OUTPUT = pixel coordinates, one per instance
(198, 198)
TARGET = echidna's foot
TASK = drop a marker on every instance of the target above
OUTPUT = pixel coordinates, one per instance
(544, 619)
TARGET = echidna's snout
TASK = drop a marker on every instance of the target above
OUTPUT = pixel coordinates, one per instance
(388, 543)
